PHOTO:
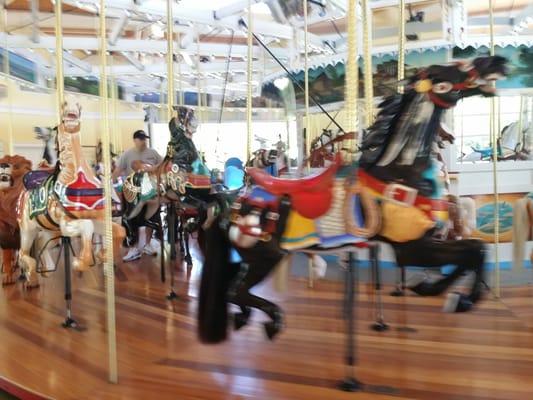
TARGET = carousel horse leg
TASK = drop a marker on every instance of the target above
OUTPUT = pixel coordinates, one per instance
(171, 222)
(467, 255)
(8, 269)
(85, 229)
(28, 233)
(379, 325)
(241, 296)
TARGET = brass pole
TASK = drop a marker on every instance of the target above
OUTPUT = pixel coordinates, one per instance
(401, 45)
(109, 272)
(352, 71)
(60, 79)
(306, 85)
(249, 72)
(180, 87)
(170, 60)
(9, 87)
(494, 137)
(367, 59)
(198, 85)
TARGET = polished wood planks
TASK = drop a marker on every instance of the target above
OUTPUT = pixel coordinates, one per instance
(486, 354)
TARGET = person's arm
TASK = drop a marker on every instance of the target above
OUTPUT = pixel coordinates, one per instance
(120, 168)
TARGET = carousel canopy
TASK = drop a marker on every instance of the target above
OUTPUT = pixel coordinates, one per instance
(209, 33)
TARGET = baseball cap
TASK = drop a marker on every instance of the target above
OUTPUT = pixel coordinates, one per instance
(140, 134)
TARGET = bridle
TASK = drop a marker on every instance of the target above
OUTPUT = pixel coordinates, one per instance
(469, 83)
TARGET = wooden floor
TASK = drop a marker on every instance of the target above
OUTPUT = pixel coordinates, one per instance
(486, 354)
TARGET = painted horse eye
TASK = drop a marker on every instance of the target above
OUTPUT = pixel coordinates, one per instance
(442, 87)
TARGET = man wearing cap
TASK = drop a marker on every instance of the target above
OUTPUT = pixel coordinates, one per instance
(139, 157)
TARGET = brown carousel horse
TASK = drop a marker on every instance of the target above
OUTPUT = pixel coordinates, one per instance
(68, 202)
(390, 195)
(12, 171)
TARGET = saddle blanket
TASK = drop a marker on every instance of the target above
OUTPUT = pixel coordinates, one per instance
(330, 230)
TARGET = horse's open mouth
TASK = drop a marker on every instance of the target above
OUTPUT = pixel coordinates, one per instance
(71, 116)
(5, 178)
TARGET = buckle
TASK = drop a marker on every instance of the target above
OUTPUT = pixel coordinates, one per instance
(400, 194)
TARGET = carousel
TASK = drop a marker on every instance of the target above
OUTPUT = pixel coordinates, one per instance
(266, 199)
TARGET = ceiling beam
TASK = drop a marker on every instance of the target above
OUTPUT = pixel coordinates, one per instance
(140, 45)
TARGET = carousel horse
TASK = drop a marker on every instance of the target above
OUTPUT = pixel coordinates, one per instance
(274, 161)
(512, 145)
(387, 195)
(181, 180)
(12, 170)
(69, 202)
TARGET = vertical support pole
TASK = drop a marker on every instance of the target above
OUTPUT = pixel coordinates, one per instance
(351, 89)
(171, 225)
(198, 74)
(379, 325)
(307, 134)
(109, 272)
(69, 321)
(401, 44)
(60, 80)
(170, 60)
(180, 87)
(249, 73)
(494, 137)
(367, 60)
(9, 85)
(350, 383)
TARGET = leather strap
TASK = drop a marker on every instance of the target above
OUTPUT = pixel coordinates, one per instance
(402, 194)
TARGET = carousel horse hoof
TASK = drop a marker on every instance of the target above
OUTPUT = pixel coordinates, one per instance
(397, 292)
(9, 280)
(380, 326)
(241, 319)
(172, 295)
(31, 285)
(457, 302)
(69, 323)
(272, 329)
(425, 288)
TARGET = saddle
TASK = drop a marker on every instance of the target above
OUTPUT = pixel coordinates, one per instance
(311, 196)
(35, 178)
(39, 195)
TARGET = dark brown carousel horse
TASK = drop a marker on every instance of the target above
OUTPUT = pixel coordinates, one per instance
(392, 194)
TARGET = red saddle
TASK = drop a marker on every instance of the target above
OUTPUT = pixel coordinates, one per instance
(310, 196)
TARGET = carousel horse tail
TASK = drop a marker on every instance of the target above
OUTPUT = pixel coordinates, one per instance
(217, 273)
(521, 231)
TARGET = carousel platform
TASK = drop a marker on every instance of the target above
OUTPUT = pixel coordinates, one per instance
(486, 354)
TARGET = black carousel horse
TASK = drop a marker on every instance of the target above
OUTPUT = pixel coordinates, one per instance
(180, 174)
(395, 183)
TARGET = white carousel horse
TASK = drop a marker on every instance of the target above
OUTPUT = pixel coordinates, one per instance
(69, 202)
(522, 229)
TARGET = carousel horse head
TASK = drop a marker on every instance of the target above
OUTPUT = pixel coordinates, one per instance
(5, 175)
(187, 121)
(12, 171)
(71, 116)
(445, 85)
(398, 146)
